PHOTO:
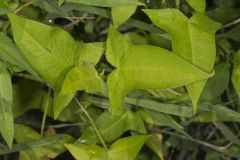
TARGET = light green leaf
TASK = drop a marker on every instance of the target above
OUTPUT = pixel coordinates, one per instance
(87, 152)
(113, 126)
(236, 72)
(107, 3)
(90, 52)
(121, 14)
(7, 6)
(197, 5)
(125, 148)
(60, 2)
(193, 39)
(145, 67)
(11, 54)
(24, 134)
(6, 116)
(82, 77)
(52, 54)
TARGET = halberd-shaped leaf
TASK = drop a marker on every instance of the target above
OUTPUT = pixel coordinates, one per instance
(113, 126)
(6, 116)
(192, 39)
(145, 67)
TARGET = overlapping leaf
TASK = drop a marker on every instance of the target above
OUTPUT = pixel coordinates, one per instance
(145, 67)
(125, 148)
(11, 54)
(113, 126)
(24, 134)
(192, 39)
(52, 54)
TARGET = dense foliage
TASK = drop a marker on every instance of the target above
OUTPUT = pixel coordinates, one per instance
(119, 79)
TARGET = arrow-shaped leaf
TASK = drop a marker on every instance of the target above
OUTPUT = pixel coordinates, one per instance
(145, 67)
(193, 39)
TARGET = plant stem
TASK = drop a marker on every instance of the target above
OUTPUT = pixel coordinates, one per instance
(75, 22)
(24, 6)
(46, 106)
(219, 149)
(92, 123)
(236, 21)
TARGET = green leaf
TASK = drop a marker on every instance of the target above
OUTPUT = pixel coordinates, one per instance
(23, 96)
(217, 84)
(118, 16)
(125, 148)
(227, 133)
(52, 54)
(47, 52)
(233, 34)
(198, 5)
(87, 152)
(113, 126)
(52, 6)
(6, 116)
(161, 119)
(107, 3)
(217, 113)
(7, 6)
(24, 134)
(82, 77)
(186, 43)
(236, 72)
(90, 52)
(155, 144)
(11, 54)
(135, 71)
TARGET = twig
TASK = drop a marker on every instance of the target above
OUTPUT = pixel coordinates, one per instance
(236, 21)
(174, 92)
(24, 6)
(219, 149)
(79, 19)
(92, 123)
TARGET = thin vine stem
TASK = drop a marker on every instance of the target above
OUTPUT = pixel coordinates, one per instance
(46, 106)
(24, 6)
(92, 123)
